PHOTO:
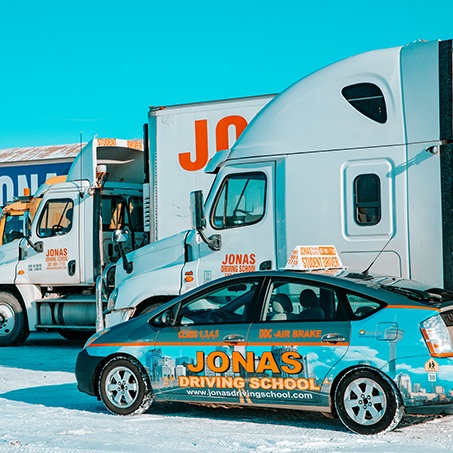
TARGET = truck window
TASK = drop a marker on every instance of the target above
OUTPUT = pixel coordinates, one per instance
(368, 99)
(13, 228)
(119, 212)
(56, 218)
(241, 201)
(367, 199)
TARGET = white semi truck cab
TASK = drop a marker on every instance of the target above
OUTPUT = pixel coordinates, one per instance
(358, 155)
(48, 273)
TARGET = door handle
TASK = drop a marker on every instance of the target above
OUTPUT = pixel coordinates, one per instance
(71, 268)
(233, 338)
(333, 338)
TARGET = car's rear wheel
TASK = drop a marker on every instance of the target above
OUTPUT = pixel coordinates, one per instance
(124, 387)
(367, 402)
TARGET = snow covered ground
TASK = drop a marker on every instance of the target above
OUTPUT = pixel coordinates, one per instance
(41, 410)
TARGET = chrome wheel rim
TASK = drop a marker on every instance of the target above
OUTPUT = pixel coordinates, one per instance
(365, 401)
(7, 320)
(122, 387)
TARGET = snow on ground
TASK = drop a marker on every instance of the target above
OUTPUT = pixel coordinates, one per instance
(41, 410)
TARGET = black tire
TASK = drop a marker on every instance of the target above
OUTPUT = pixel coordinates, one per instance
(13, 321)
(124, 387)
(367, 402)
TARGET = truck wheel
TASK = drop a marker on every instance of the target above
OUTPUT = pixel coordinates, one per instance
(367, 402)
(124, 387)
(13, 322)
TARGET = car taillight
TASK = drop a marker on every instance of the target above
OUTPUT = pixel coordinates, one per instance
(436, 336)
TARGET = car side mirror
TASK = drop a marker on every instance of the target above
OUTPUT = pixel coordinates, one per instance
(167, 317)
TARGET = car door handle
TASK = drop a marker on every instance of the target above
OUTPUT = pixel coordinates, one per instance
(333, 338)
(233, 338)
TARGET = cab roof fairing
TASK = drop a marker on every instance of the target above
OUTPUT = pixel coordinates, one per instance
(312, 115)
(123, 164)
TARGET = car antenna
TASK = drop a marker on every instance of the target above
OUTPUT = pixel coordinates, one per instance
(365, 272)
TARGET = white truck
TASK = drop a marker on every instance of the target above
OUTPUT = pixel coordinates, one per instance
(50, 262)
(358, 154)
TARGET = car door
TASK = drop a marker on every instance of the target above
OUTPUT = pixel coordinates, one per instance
(303, 331)
(201, 342)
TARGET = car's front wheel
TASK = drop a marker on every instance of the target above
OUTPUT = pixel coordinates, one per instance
(124, 387)
(367, 402)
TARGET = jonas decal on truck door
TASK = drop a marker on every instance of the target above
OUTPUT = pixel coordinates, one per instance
(234, 263)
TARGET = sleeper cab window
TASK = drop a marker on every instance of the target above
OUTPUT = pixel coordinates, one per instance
(56, 218)
(367, 199)
(368, 99)
(241, 201)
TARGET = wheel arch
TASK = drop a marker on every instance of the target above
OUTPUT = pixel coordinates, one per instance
(107, 359)
(350, 369)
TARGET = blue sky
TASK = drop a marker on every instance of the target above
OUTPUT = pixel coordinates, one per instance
(94, 67)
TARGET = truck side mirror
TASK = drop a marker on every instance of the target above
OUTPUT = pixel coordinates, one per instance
(38, 246)
(26, 224)
(214, 242)
(119, 237)
(196, 206)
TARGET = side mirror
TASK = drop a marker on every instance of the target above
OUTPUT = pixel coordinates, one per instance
(167, 318)
(196, 206)
(26, 224)
(214, 242)
(120, 236)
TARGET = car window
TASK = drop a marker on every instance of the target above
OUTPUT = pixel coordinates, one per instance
(230, 303)
(295, 301)
(362, 306)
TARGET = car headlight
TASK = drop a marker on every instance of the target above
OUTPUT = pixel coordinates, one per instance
(436, 336)
(112, 300)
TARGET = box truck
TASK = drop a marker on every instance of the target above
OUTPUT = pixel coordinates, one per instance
(358, 154)
(56, 243)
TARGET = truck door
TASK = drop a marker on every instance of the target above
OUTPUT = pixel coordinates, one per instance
(55, 230)
(240, 210)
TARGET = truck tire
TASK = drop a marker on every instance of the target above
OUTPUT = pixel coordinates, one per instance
(124, 387)
(367, 402)
(13, 321)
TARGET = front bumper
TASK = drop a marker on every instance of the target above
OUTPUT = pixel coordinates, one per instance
(86, 371)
